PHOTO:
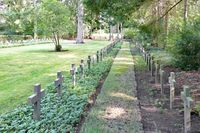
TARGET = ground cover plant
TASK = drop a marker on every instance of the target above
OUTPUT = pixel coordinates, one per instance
(59, 114)
(22, 67)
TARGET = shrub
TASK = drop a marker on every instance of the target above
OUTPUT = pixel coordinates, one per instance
(187, 48)
(129, 34)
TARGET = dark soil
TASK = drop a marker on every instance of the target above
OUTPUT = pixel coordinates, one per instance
(156, 115)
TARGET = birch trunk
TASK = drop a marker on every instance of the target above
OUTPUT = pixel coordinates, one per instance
(166, 23)
(185, 11)
(35, 19)
(80, 28)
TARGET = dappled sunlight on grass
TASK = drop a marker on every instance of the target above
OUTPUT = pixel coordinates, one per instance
(122, 59)
(51, 74)
(125, 49)
(124, 63)
(67, 56)
(123, 96)
(150, 109)
(113, 112)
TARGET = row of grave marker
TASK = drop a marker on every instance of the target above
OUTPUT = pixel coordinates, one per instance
(158, 72)
(35, 99)
(11, 42)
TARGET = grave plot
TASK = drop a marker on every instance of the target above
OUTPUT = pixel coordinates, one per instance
(167, 105)
(64, 103)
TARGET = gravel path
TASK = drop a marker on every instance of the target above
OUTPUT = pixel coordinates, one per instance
(116, 109)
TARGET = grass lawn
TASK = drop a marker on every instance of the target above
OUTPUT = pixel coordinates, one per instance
(22, 67)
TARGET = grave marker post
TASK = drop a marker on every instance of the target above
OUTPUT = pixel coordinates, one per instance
(185, 96)
(161, 72)
(149, 61)
(82, 68)
(73, 74)
(89, 62)
(35, 101)
(152, 68)
(156, 72)
(58, 83)
(172, 88)
(101, 55)
(97, 55)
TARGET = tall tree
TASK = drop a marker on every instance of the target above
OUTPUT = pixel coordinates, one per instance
(54, 20)
(185, 10)
(35, 18)
(80, 28)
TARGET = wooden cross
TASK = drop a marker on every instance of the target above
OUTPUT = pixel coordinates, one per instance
(89, 62)
(101, 55)
(172, 88)
(185, 96)
(152, 62)
(149, 62)
(97, 56)
(35, 101)
(82, 68)
(73, 74)
(93, 60)
(156, 72)
(161, 78)
(58, 83)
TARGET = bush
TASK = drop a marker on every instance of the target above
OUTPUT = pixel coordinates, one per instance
(129, 34)
(187, 48)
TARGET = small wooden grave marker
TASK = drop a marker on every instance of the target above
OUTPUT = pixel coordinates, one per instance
(58, 83)
(152, 66)
(156, 72)
(185, 96)
(35, 101)
(82, 68)
(93, 60)
(89, 62)
(97, 54)
(172, 88)
(161, 72)
(101, 55)
(73, 74)
(149, 61)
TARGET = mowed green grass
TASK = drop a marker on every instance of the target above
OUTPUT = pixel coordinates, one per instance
(22, 67)
(116, 108)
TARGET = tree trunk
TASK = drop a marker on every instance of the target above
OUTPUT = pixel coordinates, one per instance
(166, 23)
(80, 27)
(56, 40)
(185, 11)
(35, 20)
